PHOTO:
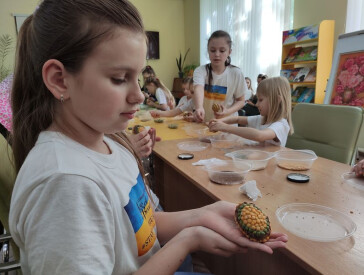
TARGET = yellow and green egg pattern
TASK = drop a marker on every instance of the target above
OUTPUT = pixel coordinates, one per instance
(253, 222)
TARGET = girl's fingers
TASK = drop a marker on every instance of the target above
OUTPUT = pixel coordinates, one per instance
(278, 236)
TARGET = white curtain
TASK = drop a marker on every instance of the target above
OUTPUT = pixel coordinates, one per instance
(255, 27)
(354, 16)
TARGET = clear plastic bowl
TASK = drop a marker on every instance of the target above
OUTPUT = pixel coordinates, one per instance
(228, 172)
(223, 141)
(196, 131)
(258, 159)
(297, 160)
(192, 146)
(315, 222)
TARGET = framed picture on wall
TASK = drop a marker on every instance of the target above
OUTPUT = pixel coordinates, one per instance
(346, 83)
(349, 81)
(153, 45)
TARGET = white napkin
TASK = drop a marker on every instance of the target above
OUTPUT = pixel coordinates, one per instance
(209, 161)
(251, 190)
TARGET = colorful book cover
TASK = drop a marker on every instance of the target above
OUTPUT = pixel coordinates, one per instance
(300, 34)
(307, 95)
(293, 74)
(285, 73)
(292, 54)
(307, 54)
(296, 93)
(311, 77)
(301, 75)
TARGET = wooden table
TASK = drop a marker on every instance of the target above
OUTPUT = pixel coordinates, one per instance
(181, 185)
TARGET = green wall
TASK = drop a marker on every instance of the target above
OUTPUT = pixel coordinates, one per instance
(309, 12)
(7, 21)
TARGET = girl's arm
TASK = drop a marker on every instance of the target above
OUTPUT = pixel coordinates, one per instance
(218, 217)
(162, 107)
(198, 100)
(211, 229)
(245, 132)
(170, 113)
(241, 120)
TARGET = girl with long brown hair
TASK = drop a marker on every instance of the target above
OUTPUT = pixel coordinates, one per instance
(80, 204)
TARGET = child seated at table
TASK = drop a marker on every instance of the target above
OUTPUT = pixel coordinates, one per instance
(165, 100)
(185, 104)
(274, 122)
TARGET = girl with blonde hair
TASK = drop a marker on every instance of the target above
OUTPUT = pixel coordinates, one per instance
(164, 98)
(274, 122)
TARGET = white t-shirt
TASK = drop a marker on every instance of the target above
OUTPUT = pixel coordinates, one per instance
(76, 211)
(185, 104)
(161, 97)
(225, 88)
(281, 128)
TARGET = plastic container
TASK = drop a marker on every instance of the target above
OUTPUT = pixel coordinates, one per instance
(296, 160)
(192, 146)
(315, 222)
(144, 116)
(228, 172)
(352, 180)
(223, 141)
(258, 159)
(197, 131)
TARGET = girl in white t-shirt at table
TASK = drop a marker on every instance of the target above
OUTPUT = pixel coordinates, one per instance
(80, 204)
(218, 82)
(165, 100)
(274, 122)
(185, 104)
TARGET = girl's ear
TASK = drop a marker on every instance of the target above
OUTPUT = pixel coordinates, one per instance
(230, 50)
(53, 73)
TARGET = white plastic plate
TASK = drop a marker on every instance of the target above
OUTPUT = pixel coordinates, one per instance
(315, 222)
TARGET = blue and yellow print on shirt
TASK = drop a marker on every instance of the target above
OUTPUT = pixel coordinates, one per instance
(215, 92)
(140, 213)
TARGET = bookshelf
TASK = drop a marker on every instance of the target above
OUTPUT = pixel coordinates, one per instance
(321, 36)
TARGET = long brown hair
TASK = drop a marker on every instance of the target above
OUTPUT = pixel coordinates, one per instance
(66, 30)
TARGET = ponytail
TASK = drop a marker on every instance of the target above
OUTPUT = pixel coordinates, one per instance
(32, 103)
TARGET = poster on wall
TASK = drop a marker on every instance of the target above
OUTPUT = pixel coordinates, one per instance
(346, 83)
(349, 81)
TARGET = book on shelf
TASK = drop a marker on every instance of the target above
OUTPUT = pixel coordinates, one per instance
(296, 93)
(285, 73)
(307, 54)
(307, 95)
(293, 74)
(301, 75)
(293, 53)
(311, 77)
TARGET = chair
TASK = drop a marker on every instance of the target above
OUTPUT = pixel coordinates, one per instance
(331, 131)
(7, 180)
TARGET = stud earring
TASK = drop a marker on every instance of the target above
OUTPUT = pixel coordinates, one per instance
(62, 98)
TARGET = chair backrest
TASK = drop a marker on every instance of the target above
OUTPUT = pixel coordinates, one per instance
(7, 180)
(331, 131)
